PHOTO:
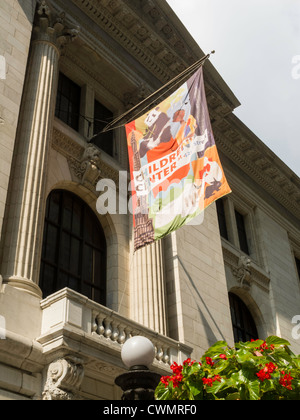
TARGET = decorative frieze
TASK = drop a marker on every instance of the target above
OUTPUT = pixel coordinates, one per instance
(123, 24)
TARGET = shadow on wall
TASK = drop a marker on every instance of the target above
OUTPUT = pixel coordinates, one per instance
(28, 7)
(210, 334)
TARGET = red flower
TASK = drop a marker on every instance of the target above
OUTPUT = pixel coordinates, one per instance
(265, 373)
(223, 356)
(189, 362)
(176, 368)
(286, 381)
(264, 347)
(271, 367)
(176, 379)
(207, 381)
(209, 361)
(165, 380)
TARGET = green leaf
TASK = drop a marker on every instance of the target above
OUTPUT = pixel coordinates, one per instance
(217, 348)
(221, 366)
(195, 368)
(233, 397)
(268, 386)
(195, 386)
(281, 357)
(276, 341)
(250, 344)
(296, 362)
(218, 386)
(162, 394)
(243, 355)
(254, 390)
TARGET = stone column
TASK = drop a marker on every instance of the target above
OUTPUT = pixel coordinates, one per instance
(148, 288)
(24, 220)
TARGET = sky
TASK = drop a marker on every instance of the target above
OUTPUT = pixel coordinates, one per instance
(257, 44)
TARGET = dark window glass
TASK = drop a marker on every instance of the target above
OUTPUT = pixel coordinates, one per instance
(240, 221)
(74, 248)
(68, 102)
(102, 116)
(222, 219)
(298, 266)
(243, 325)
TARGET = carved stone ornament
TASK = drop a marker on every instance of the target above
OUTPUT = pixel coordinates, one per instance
(50, 27)
(90, 166)
(243, 272)
(64, 378)
(87, 165)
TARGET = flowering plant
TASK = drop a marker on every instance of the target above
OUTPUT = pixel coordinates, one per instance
(255, 370)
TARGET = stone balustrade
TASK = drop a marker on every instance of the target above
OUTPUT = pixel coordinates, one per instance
(112, 327)
(94, 332)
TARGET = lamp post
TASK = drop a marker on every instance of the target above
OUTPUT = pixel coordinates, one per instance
(139, 383)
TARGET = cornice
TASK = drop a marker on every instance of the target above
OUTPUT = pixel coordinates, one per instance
(242, 147)
(145, 32)
(121, 24)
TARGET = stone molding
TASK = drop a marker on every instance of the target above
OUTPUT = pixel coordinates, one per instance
(254, 160)
(64, 377)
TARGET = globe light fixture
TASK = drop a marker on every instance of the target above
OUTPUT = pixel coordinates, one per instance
(138, 352)
(139, 383)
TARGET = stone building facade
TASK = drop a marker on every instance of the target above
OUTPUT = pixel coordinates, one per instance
(71, 288)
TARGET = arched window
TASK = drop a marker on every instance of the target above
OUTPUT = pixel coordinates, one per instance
(244, 328)
(74, 248)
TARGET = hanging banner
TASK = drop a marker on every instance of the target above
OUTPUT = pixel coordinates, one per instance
(175, 168)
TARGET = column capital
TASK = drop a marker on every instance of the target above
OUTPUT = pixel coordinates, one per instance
(52, 27)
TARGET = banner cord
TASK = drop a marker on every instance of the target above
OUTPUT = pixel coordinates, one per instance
(170, 85)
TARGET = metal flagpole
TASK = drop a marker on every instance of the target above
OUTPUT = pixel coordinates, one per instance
(176, 80)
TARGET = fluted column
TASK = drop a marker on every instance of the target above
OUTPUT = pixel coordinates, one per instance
(148, 288)
(24, 223)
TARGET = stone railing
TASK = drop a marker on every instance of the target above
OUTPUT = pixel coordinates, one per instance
(68, 317)
(114, 328)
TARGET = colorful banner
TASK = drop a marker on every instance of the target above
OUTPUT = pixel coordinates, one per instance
(174, 163)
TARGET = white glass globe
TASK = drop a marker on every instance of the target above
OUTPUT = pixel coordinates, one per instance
(138, 351)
